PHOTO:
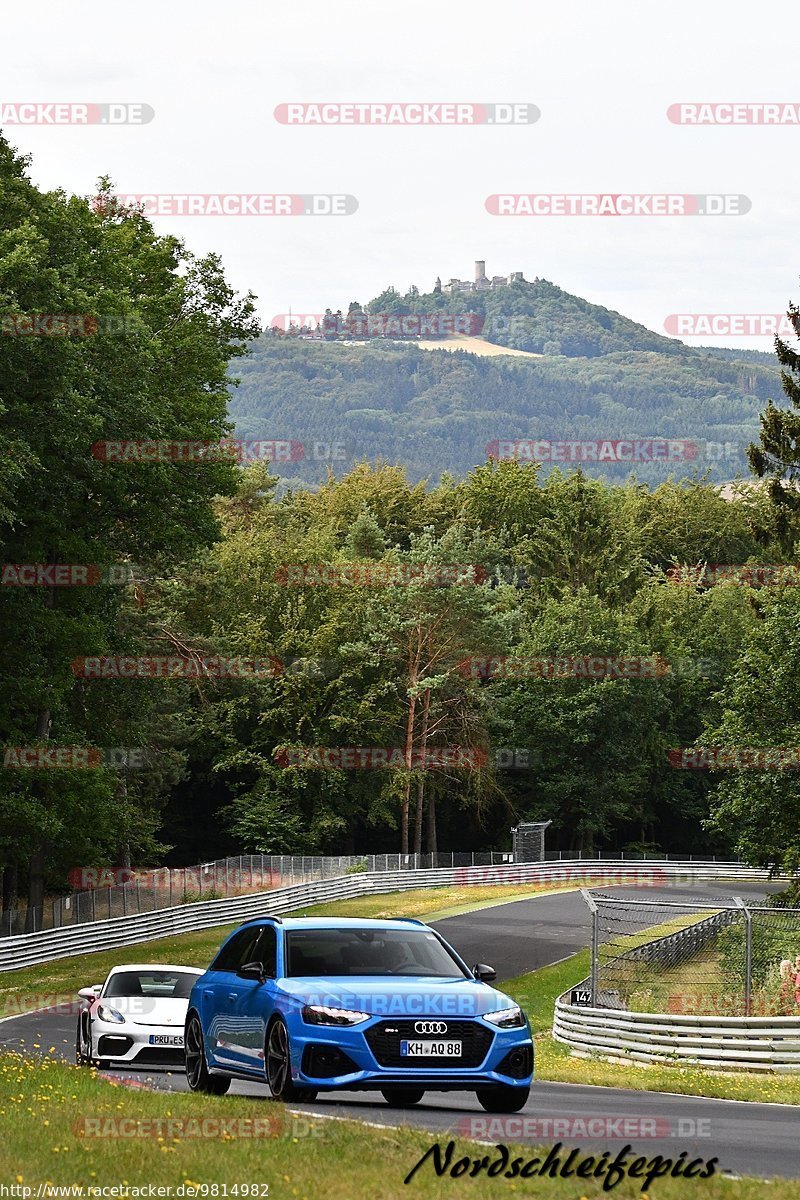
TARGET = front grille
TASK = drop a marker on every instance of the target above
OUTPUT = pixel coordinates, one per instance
(384, 1041)
(517, 1064)
(170, 1056)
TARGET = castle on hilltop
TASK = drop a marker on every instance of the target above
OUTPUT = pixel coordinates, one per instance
(481, 282)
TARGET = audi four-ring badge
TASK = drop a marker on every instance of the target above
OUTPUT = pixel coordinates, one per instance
(308, 1005)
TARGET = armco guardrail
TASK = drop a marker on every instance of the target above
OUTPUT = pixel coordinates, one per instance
(769, 1043)
(97, 897)
(722, 1043)
(49, 944)
(674, 948)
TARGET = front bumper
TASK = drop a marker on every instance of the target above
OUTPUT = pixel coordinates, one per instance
(366, 1057)
(127, 1042)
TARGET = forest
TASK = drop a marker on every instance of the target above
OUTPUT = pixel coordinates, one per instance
(202, 656)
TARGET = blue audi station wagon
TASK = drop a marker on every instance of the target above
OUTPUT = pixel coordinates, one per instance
(311, 1005)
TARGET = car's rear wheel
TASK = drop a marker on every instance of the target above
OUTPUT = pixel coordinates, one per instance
(278, 1066)
(198, 1075)
(83, 1044)
(402, 1097)
(502, 1099)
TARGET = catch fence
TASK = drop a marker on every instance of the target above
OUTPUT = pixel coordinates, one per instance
(728, 958)
(154, 889)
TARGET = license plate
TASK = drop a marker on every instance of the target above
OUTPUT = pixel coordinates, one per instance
(166, 1039)
(439, 1049)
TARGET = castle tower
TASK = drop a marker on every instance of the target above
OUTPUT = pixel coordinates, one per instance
(480, 269)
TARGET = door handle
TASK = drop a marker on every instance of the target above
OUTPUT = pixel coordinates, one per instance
(232, 995)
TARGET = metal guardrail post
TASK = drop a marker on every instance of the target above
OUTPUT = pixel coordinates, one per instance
(748, 953)
(589, 898)
(748, 961)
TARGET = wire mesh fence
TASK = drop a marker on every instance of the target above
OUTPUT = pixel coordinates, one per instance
(166, 887)
(704, 958)
(528, 841)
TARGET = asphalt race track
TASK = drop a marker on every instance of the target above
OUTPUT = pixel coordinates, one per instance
(760, 1140)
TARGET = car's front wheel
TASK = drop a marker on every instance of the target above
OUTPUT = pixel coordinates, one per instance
(278, 1066)
(402, 1097)
(502, 1099)
(83, 1044)
(198, 1075)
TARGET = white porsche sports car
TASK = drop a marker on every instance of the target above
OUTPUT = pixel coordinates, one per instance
(136, 1017)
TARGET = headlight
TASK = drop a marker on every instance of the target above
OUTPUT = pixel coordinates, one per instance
(320, 1014)
(110, 1014)
(506, 1018)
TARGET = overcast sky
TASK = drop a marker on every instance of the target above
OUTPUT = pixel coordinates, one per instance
(603, 76)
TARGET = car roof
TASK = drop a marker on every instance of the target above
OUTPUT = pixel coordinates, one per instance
(155, 967)
(291, 923)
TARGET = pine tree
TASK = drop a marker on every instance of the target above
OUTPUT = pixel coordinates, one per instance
(777, 458)
(365, 537)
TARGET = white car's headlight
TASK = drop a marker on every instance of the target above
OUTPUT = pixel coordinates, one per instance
(110, 1014)
(506, 1018)
(320, 1014)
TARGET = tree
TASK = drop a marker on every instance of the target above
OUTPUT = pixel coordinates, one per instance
(760, 805)
(595, 743)
(428, 629)
(777, 456)
(158, 329)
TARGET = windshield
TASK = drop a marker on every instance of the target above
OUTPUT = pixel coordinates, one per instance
(369, 952)
(173, 985)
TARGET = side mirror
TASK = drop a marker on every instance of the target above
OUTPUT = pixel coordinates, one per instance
(91, 993)
(252, 970)
(483, 973)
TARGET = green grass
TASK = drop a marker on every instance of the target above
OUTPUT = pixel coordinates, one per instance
(44, 1107)
(698, 980)
(434, 904)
